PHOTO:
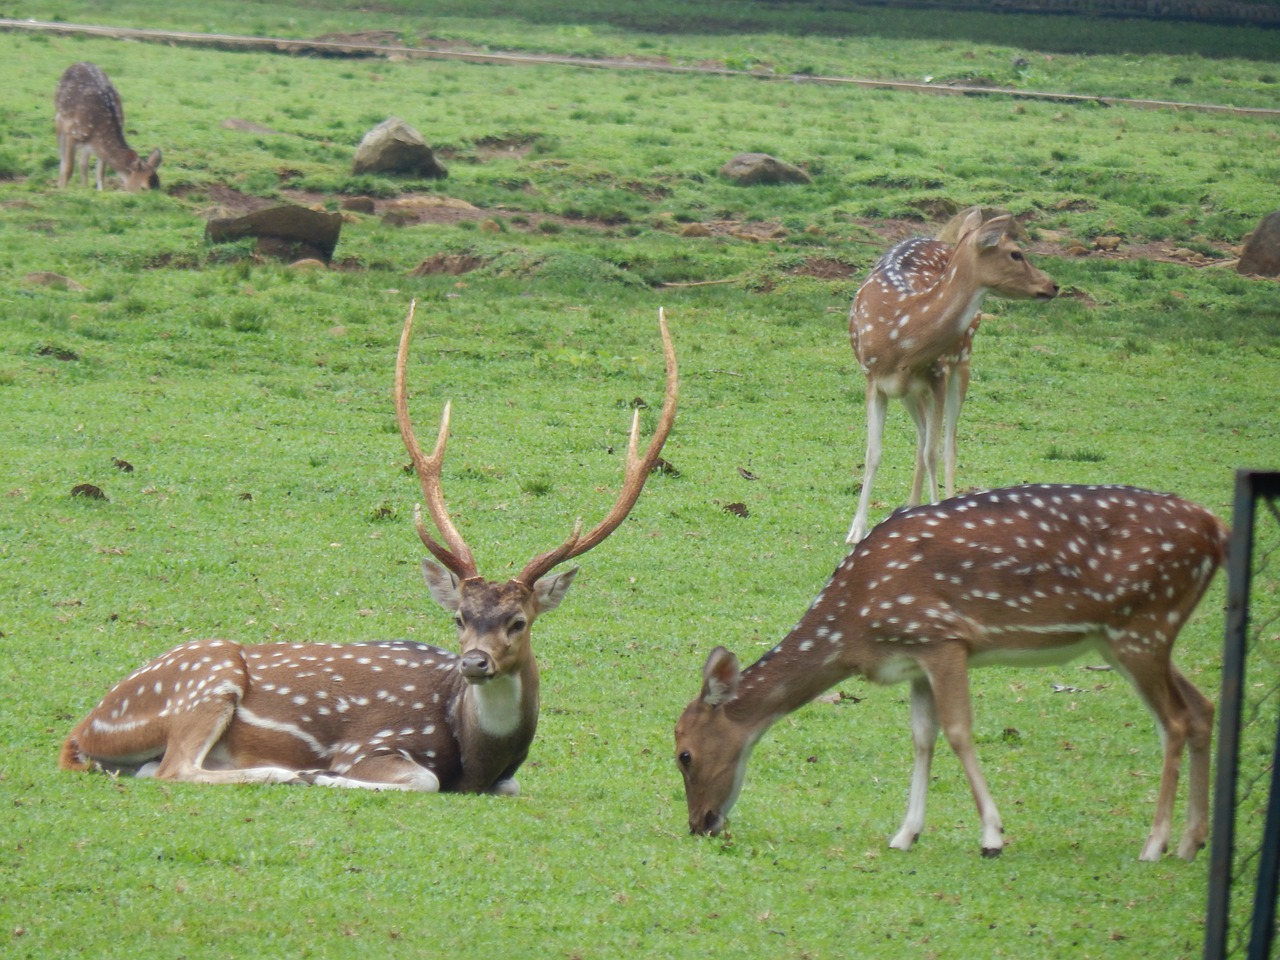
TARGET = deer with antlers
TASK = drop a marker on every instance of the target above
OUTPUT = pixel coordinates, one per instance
(1020, 576)
(912, 326)
(393, 715)
(89, 119)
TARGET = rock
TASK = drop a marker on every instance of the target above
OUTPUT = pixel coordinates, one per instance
(288, 232)
(395, 147)
(1261, 253)
(431, 202)
(408, 211)
(695, 230)
(358, 204)
(749, 169)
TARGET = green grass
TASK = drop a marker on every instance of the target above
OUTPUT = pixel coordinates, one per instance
(269, 500)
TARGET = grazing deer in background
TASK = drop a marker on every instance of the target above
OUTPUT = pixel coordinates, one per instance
(394, 715)
(912, 325)
(1022, 576)
(90, 120)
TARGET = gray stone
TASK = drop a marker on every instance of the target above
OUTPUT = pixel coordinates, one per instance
(1261, 254)
(288, 232)
(395, 147)
(749, 169)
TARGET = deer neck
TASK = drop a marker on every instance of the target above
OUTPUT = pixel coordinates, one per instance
(117, 154)
(949, 304)
(813, 657)
(498, 719)
(500, 708)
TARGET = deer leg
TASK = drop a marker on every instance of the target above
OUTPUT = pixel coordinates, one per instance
(1199, 737)
(507, 787)
(924, 736)
(66, 159)
(384, 772)
(914, 403)
(948, 675)
(1165, 691)
(933, 403)
(195, 733)
(957, 386)
(877, 406)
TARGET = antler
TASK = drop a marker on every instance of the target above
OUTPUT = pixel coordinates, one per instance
(637, 471)
(457, 555)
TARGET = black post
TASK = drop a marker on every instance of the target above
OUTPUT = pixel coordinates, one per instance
(1233, 661)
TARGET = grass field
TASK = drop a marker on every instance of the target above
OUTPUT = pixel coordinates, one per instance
(268, 499)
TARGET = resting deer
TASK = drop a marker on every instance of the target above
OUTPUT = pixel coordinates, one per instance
(90, 120)
(912, 326)
(393, 715)
(1021, 576)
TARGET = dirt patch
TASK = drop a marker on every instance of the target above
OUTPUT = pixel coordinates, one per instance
(225, 201)
(367, 38)
(1223, 255)
(487, 148)
(824, 268)
(450, 264)
(413, 209)
(408, 211)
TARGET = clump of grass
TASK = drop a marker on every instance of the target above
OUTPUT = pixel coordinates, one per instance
(535, 486)
(247, 318)
(1080, 455)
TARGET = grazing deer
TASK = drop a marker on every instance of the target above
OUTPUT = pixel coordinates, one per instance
(912, 326)
(1022, 576)
(90, 120)
(394, 715)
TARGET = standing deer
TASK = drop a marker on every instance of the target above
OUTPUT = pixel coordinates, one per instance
(912, 326)
(1021, 576)
(393, 715)
(90, 120)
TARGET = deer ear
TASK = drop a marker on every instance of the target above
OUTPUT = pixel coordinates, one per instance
(971, 222)
(442, 584)
(720, 678)
(550, 590)
(993, 231)
(153, 161)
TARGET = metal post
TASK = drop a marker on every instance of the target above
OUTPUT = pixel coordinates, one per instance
(1233, 663)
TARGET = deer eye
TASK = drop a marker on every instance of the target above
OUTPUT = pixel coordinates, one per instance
(457, 620)
(517, 626)
(1017, 254)
(685, 758)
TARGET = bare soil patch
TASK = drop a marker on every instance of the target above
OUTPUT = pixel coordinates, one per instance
(414, 209)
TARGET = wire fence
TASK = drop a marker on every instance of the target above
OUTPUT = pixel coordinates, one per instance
(1245, 858)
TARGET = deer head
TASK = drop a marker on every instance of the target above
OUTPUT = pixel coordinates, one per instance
(494, 618)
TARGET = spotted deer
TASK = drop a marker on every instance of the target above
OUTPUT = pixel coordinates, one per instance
(393, 715)
(1018, 577)
(912, 326)
(89, 119)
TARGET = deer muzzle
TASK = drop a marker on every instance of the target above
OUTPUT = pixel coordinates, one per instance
(477, 666)
(709, 823)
